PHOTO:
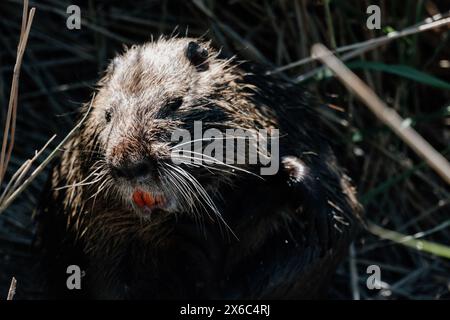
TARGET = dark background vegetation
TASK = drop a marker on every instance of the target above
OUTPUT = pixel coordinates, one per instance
(398, 191)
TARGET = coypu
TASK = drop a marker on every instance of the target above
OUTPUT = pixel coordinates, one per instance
(143, 227)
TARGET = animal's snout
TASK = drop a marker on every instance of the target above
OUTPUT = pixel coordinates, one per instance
(133, 169)
(131, 160)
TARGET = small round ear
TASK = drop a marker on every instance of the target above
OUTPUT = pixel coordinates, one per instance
(197, 55)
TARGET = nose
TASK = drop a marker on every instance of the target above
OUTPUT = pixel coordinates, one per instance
(133, 170)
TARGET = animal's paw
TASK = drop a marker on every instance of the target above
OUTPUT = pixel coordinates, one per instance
(306, 190)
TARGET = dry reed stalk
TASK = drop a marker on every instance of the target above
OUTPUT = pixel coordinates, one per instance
(18, 183)
(387, 115)
(10, 125)
(12, 289)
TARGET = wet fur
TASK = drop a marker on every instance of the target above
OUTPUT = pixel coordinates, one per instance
(293, 228)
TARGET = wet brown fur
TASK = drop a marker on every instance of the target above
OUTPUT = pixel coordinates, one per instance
(104, 231)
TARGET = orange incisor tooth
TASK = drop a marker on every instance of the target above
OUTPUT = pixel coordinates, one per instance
(149, 200)
(138, 199)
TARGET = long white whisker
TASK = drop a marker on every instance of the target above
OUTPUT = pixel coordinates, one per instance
(208, 139)
(223, 163)
(203, 194)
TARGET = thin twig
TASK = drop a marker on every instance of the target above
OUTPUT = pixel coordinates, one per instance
(361, 47)
(409, 241)
(10, 124)
(387, 115)
(354, 274)
(44, 163)
(22, 171)
(12, 289)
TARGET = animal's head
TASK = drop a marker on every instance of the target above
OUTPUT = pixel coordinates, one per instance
(150, 93)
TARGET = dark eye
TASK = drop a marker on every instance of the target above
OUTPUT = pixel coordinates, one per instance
(175, 104)
(108, 115)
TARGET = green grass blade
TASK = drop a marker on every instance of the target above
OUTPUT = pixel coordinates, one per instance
(409, 241)
(402, 71)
